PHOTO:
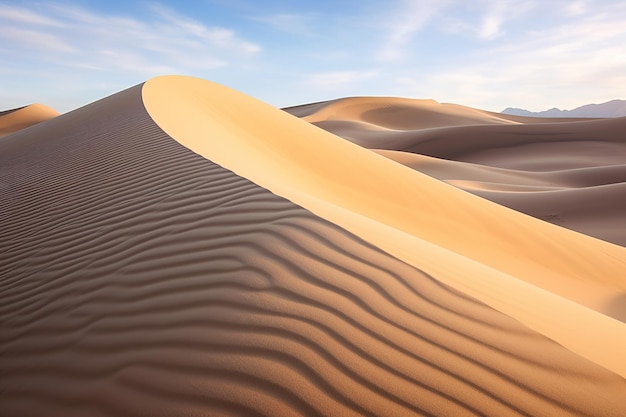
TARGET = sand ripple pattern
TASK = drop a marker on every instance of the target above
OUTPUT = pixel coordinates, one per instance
(138, 278)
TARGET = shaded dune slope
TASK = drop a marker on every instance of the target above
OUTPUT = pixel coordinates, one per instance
(396, 113)
(590, 200)
(570, 172)
(138, 278)
(23, 117)
(404, 212)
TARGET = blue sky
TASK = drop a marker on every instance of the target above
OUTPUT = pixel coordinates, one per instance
(489, 54)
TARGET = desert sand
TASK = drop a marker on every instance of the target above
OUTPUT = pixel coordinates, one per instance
(180, 248)
(23, 117)
(569, 172)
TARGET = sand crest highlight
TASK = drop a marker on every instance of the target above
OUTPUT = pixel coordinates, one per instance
(408, 214)
(569, 172)
(23, 117)
(139, 277)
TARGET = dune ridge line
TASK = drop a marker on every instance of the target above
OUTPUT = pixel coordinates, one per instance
(144, 279)
(569, 172)
(408, 214)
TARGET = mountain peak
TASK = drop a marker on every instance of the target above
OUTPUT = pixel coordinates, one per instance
(613, 108)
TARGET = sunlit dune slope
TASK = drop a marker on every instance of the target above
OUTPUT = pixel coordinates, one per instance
(522, 266)
(20, 118)
(574, 171)
(590, 200)
(139, 278)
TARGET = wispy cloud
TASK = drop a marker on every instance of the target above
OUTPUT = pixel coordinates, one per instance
(576, 8)
(186, 28)
(573, 61)
(294, 23)
(405, 21)
(496, 14)
(23, 15)
(35, 40)
(492, 17)
(163, 41)
(486, 53)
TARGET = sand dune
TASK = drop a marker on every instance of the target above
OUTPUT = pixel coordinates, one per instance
(404, 114)
(569, 172)
(141, 278)
(590, 200)
(308, 166)
(20, 118)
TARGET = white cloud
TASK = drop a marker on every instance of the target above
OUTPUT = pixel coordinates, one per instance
(25, 16)
(76, 37)
(405, 22)
(486, 53)
(35, 39)
(574, 61)
(495, 15)
(294, 23)
(575, 8)
(217, 36)
(490, 27)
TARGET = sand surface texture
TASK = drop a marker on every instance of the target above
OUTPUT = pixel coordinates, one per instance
(23, 117)
(564, 171)
(140, 278)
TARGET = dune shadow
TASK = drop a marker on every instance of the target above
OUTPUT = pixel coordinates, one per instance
(616, 308)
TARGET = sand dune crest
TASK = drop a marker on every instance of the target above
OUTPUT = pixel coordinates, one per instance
(579, 157)
(397, 208)
(395, 113)
(589, 200)
(23, 117)
(140, 278)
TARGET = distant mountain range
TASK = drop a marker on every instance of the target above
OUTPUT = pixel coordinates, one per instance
(613, 108)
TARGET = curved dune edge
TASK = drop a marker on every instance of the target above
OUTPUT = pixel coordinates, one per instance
(485, 250)
(23, 117)
(154, 282)
(391, 113)
(590, 200)
(529, 145)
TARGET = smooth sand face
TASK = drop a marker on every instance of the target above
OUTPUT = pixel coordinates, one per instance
(402, 113)
(21, 118)
(590, 199)
(145, 279)
(565, 171)
(396, 113)
(558, 170)
(515, 263)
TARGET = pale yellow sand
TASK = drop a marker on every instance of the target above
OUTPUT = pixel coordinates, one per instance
(498, 156)
(590, 200)
(508, 259)
(17, 119)
(138, 278)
